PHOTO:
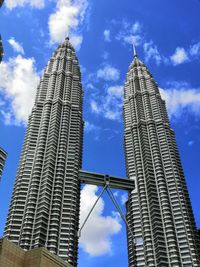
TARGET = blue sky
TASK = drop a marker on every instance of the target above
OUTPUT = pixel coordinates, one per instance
(167, 37)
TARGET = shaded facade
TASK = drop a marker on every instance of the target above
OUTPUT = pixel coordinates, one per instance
(159, 211)
(1, 3)
(44, 209)
(3, 156)
(1, 49)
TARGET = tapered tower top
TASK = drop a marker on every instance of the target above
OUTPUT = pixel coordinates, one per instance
(136, 61)
(66, 43)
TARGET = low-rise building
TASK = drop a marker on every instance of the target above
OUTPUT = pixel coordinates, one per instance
(13, 256)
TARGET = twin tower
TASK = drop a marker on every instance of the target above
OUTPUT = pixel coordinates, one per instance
(45, 204)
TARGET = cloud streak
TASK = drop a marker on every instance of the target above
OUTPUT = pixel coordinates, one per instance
(130, 33)
(108, 73)
(182, 101)
(110, 105)
(17, 47)
(151, 52)
(10, 4)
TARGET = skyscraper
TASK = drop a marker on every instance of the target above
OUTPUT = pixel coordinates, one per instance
(44, 209)
(1, 49)
(3, 156)
(158, 210)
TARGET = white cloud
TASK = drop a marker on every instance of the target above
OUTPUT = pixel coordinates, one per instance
(182, 101)
(136, 27)
(90, 127)
(66, 20)
(96, 234)
(7, 117)
(105, 55)
(191, 143)
(10, 4)
(124, 198)
(116, 91)
(180, 56)
(113, 103)
(76, 41)
(90, 86)
(108, 73)
(106, 34)
(17, 47)
(116, 193)
(94, 107)
(18, 82)
(130, 34)
(110, 105)
(195, 49)
(132, 39)
(151, 52)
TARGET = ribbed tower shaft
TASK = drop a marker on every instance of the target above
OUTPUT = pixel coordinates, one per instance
(44, 209)
(159, 209)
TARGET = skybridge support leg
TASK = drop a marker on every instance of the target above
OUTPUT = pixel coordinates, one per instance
(95, 203)
(114, 201)
(112, 197)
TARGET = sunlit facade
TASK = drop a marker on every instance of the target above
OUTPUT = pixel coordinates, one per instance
(159, 211)
(44, 209)
(3, 156)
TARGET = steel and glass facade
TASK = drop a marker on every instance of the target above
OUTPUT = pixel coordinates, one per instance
(1, 49)
(3, 156)
(159, 211)
(44, 209)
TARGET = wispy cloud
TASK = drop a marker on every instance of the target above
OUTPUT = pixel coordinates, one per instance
(135, 34)
(110, 105)
(182, 101)
(195, 49)
(130, 33)
(17, 47)
(18, 83)
(151, 52)
(108, 73)
(67, 20)
(90, 127)
(124, 198)
(10, 4)
(94, 107)
(106, 35)
(191, 143)
(96, 235)
(180, 56)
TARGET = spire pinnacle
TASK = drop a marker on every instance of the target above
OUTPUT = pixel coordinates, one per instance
(134, 51)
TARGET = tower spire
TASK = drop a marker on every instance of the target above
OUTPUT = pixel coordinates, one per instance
(134, 51)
